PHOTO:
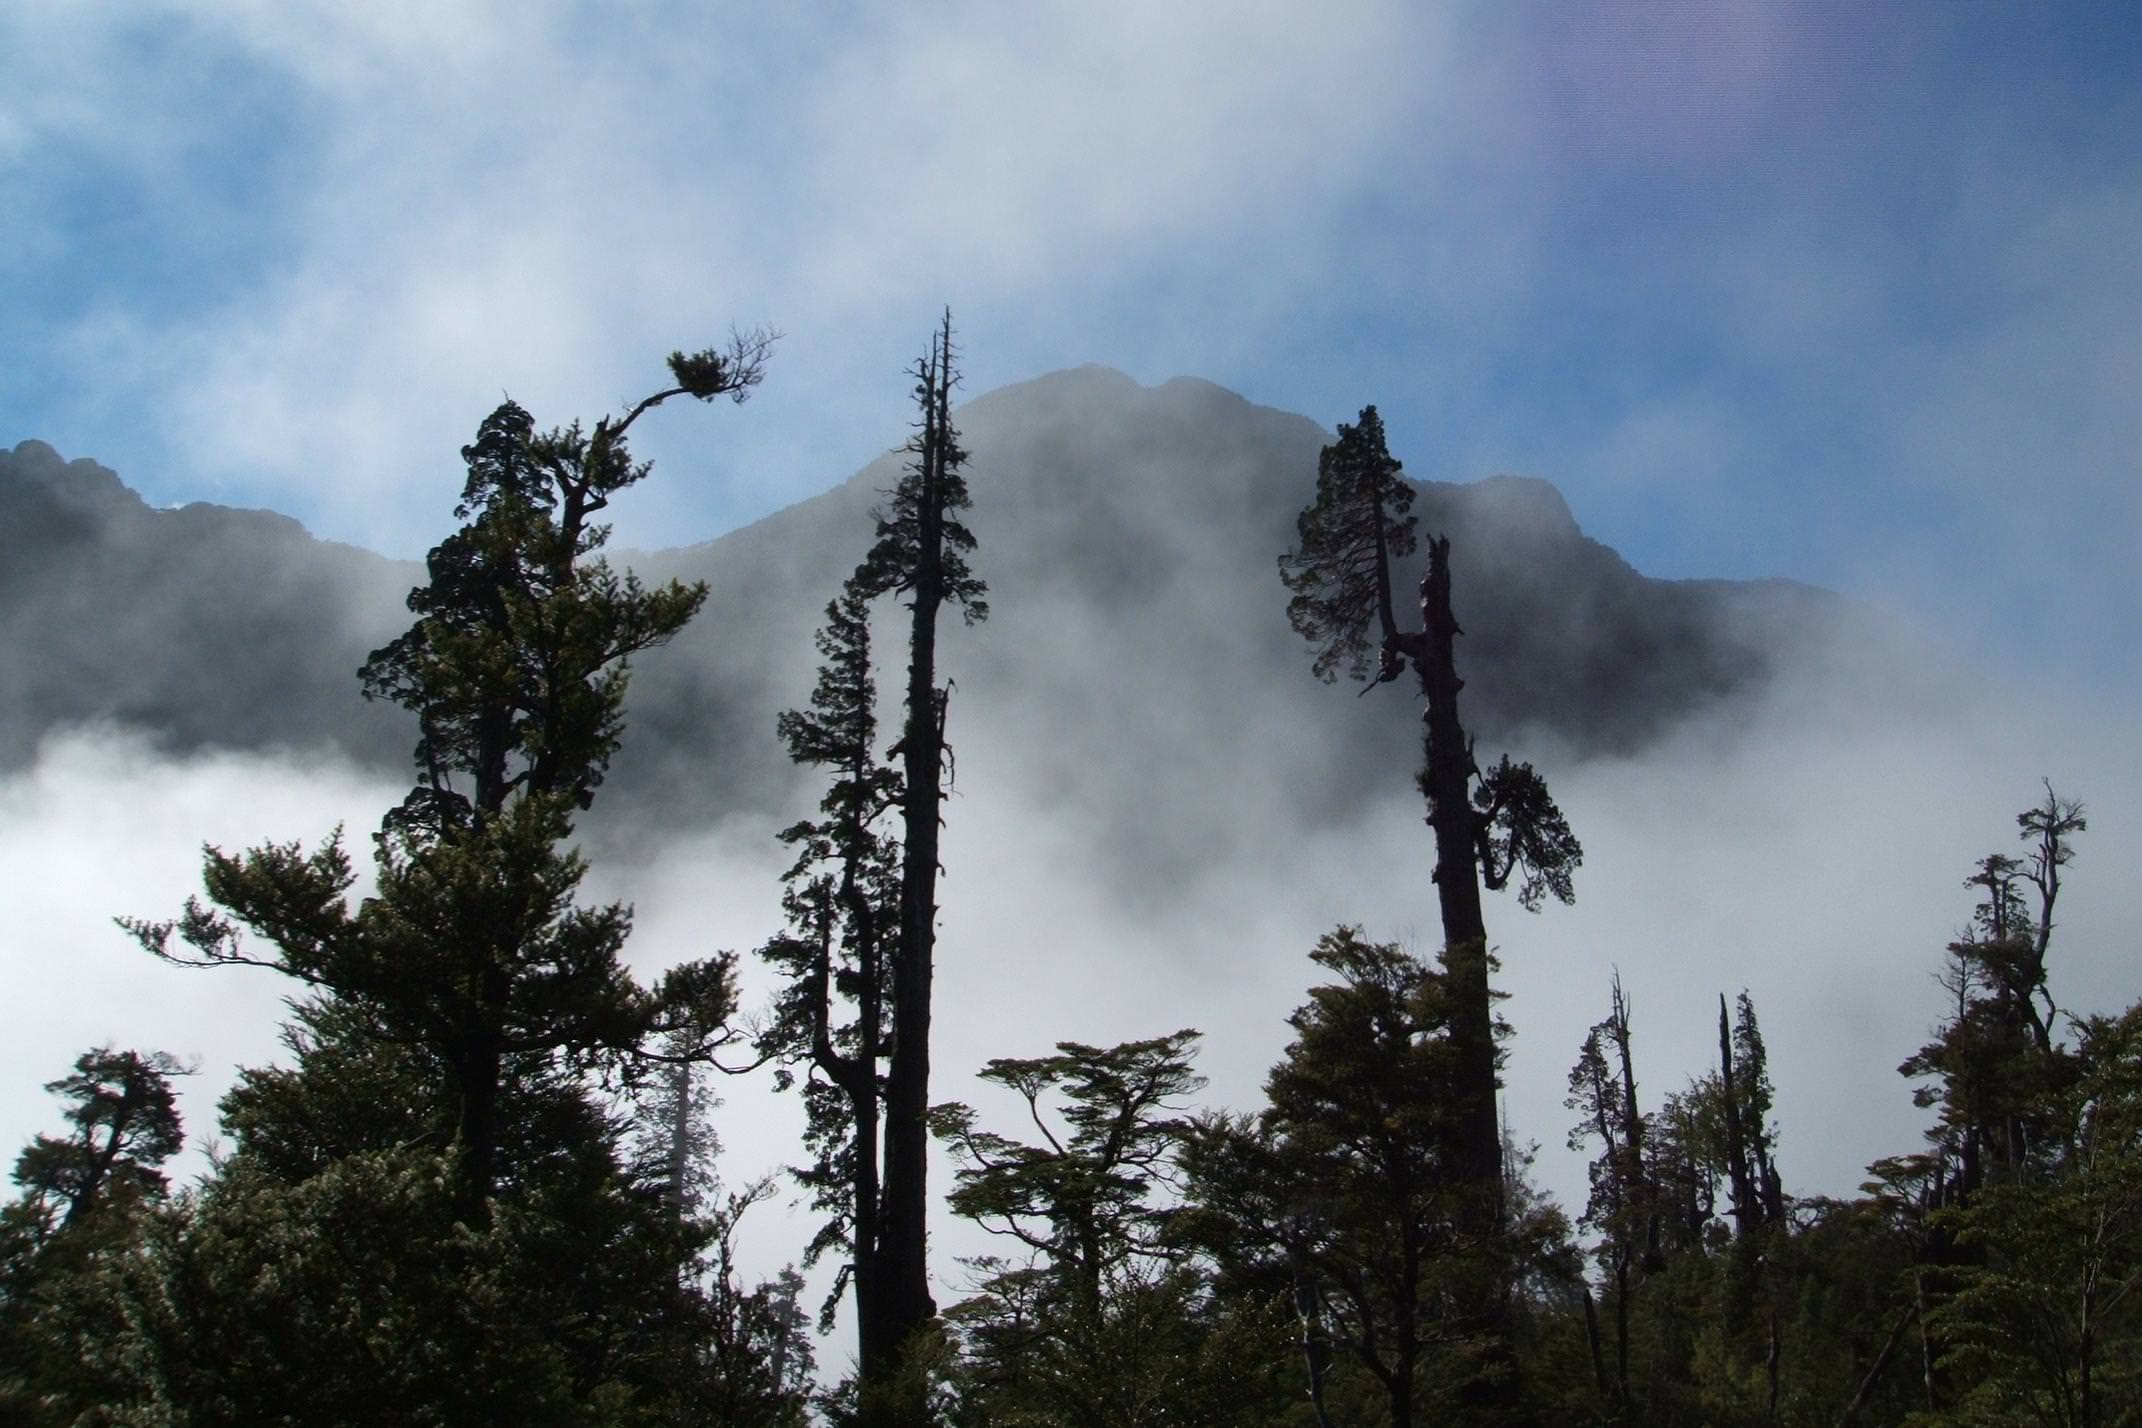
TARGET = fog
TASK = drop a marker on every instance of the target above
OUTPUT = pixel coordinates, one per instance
(1806, 847)
(1157, 809)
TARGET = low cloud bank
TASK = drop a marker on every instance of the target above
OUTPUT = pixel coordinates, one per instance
(1810, 848)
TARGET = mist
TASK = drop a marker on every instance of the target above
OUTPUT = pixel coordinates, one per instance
(1808, 844)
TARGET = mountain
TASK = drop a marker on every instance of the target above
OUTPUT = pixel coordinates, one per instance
(1137, 656)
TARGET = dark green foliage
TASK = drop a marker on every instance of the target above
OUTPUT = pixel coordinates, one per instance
(1079, 1200)
(747, 1354)
(1623, 1207)
(1994, 1064)
(830, 1018)
(2042, 1327)
(1159, 1346)
(126, 1123)
(1105, 1320)
(1340, 572)
(1345, 1190)
(83, 1198)
(1521, 830)
(433, 1215)
(516, 666)
(473, 949)
(922, 545)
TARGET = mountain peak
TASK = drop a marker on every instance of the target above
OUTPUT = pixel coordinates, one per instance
(80, 485)
(1525, 508)
(1129, 531)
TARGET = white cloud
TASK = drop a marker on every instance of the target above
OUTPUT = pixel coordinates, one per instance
(1811, 850)
(101, 827)
(483, 200)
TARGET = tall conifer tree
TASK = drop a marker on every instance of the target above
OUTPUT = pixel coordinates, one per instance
(862, 904)
(1488, 826)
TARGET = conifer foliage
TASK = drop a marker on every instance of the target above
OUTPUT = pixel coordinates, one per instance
(479, 1187)
(455, 1027)
(1488, 827)
(862, 905)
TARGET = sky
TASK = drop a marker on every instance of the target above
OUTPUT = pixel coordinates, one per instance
(1841, 292)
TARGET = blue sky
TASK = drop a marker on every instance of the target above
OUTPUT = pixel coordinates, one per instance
(1843, 292)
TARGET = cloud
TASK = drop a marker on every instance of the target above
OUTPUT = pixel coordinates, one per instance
(101, 827)
(478, 199)
(1810, 848)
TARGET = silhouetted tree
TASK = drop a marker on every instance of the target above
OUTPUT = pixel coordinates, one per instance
(862, 907)
(1079, 1200)
(2042, 1327)
(516, 670)
(1998, 1081)
(126, 1123)
(1995, 1058)
(81, 1195)
(430, 1216)
(1505, 825)
(1623, 1208)
(921, 555)
(1345, 1183)
(1340, 573)
(832, 1018)
(1104, 1319)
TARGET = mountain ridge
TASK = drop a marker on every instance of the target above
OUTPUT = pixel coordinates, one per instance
(1130, 534)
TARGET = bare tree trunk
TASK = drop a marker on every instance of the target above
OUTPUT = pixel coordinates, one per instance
(1591, 1341)
(1446, 779)
(1881, 1361)
(908, 1305)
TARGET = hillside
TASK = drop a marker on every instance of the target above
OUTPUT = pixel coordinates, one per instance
(1138, 650)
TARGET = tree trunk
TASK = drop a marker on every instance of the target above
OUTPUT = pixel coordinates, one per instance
(1591, 1342)
(1881, 1361)
(1446, 779)
(1747, 1207)
(908, 1307)
(479, 1068)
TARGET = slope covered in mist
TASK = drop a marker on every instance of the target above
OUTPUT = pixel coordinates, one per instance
(1138, 655)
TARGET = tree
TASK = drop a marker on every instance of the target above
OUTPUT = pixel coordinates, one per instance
(2020, 1202)
(1340, 574)
(432, 1215)
(831, 1019)
(921, 554)
(1744, 1095)
(126, 1124)
(1078, 1200)
(861, 905)
(1996, 1058)
(751, 1348)
(1098, 1318)
(473, 949)
(1345, 1184)
(1624, 1204)
(1507, 825)
(2042, 1328)
(81, 1195)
